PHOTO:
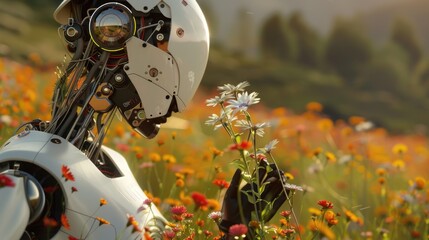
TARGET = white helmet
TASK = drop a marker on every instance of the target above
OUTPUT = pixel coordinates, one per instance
(159, 46)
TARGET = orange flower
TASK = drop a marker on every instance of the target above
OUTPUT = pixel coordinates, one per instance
(132, 222)
(221, 183)
(330, 218)
(314, 107)
(103, 202)
(65, 221)
(216, 152)
(102, 221)
(67, 175)
(154, 157)
(419, 183)
(180, 183)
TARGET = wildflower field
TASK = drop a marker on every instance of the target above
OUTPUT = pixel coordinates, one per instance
(347, 179)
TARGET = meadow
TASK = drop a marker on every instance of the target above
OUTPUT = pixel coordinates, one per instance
(351, 180)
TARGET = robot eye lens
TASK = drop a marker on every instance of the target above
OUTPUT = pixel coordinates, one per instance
(111, 25)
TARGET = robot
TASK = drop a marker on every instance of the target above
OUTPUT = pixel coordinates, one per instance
(142, 59)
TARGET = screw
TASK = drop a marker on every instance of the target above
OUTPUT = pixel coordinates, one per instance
(119, 78)
(160, 36)
(180, 32)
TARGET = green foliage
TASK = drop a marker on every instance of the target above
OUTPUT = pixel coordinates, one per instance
(275, 41)
(307, 41)
(348, 49)
(404, 35)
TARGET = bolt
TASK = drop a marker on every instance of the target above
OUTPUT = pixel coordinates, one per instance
(153, 72)
(119, 78)
(180, 32)
(141, 115)
(106, 90)
(160, 36)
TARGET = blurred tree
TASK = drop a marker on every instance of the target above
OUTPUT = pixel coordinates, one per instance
(348, 49)
(404, 35)
(383, 75)
(275, 41)
(242, 38)
(307, 41)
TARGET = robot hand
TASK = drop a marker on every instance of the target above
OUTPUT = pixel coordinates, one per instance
(273, 194)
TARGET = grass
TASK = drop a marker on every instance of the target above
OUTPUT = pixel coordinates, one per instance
(375, 180)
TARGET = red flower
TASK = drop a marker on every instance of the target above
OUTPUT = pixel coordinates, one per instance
(50, 189)
(244, 145)
(325, 204)
(178, 210)
(73, 189)
(72, 238)
(285, 213)
(6, 181)
(237, 230)
(199, 199)
(49, 222)
(221, 183)
(65, 221)
(67, 175)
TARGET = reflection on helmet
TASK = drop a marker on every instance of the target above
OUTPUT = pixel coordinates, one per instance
(143, 58)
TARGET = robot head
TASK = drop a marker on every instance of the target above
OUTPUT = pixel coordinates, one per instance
(145, 58)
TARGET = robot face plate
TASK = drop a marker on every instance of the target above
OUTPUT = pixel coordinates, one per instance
(158, 50)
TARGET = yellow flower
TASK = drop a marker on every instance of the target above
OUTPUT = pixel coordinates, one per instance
(289, 176)
(320, 228)
(186, 200)
(399, 164)
(330, 157)
(399, 148)
(350, 216)
(314, 211)
(168, 158)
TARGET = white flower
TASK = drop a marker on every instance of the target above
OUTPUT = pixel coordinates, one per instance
(214, 120)
(258, 128)
(244, 100)
(213, 102)
(217, 121)
(271, 145)
(215, 216)
(229, 88)
(364, 126)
